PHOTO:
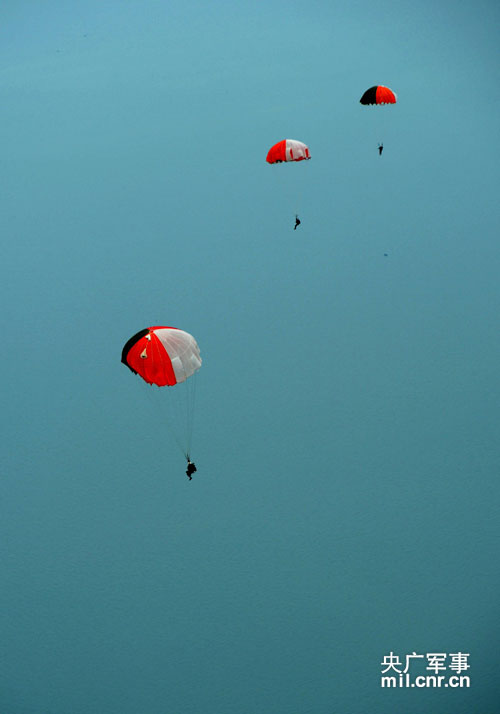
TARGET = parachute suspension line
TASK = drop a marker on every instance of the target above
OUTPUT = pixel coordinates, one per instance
(163, 414)
(294, 190)
(173, 410)
(299, 185)
(190, 410)
(187, 416)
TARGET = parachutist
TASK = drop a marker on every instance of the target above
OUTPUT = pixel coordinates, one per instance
(380, 149)
(191, 468)
(297, 222)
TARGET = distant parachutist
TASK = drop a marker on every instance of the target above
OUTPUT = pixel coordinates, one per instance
(191, 468)
(297, 222)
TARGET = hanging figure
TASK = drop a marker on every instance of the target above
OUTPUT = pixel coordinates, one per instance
(191, 468)
(380, 149)
(297, 222)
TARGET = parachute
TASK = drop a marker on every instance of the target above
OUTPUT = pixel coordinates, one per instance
(287, 150)
(162, 355)
(378, 95)
(166, 357)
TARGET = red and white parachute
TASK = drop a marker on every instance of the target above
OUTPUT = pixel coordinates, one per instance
(288, 150)
(162, 355)
(166, 357)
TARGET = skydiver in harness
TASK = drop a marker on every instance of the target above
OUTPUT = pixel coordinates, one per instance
(191, 468)
(297, 222)
(380, 149)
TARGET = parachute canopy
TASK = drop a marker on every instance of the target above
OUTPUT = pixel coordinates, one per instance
(378, 95)
(164, 356)
(287, 150)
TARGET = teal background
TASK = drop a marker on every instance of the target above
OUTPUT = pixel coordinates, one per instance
(346, 435)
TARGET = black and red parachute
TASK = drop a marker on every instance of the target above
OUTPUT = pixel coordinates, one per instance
(379, 95)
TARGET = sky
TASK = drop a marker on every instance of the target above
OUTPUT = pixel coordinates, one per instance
(346, 431)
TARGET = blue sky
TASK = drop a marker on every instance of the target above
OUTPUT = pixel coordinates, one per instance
(346, 431)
